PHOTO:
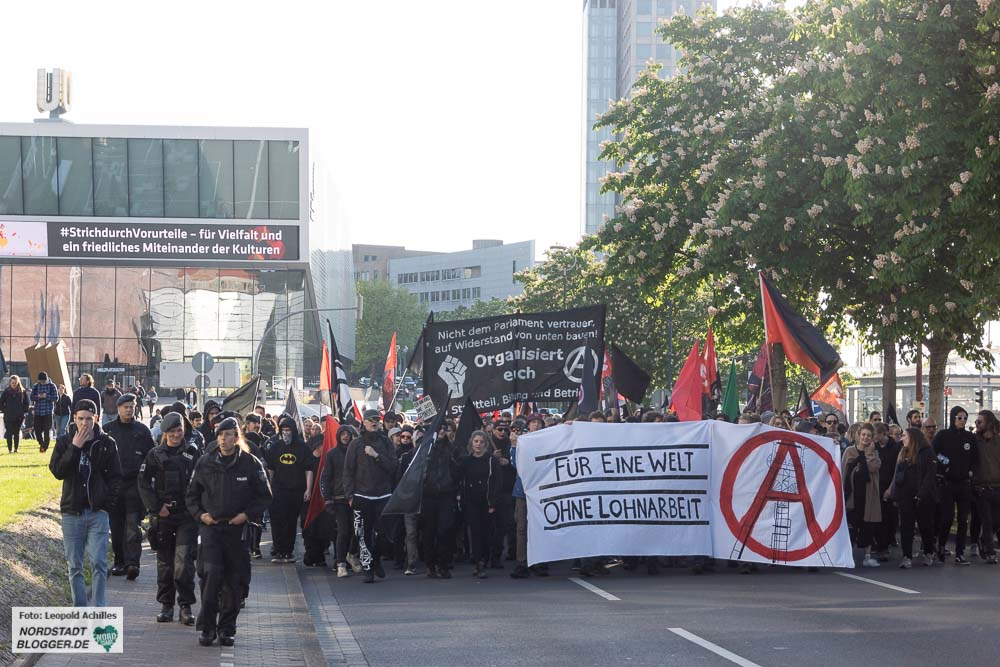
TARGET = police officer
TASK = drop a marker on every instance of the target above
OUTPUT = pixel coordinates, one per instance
(163, 479)
(228, 489)
(134, 442)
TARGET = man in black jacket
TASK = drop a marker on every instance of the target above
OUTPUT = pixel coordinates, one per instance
(228, 489)
(290, 468)
(162, 485)
(86, 460)
(437, 505)
(134, 441)
(331, 485)
(958, 459)
(369, 468)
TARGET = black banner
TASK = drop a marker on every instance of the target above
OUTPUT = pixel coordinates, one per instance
(496, 361)
(161, 240)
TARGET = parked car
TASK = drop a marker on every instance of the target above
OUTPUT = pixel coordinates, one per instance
(409, 382)
(365, 382)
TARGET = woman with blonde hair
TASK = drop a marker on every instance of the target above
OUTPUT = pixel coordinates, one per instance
(860, 466)
(480, 486)
(14, 404)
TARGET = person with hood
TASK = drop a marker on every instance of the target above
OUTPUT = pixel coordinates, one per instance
(207, 429)
(914, 488)
(986, 481)
(437, 504)
(331, 486)
(86, 460)
(134, 441)
(860, 469)
(228, 490)
(479, 486)
(44, 396)
(289, 466)
(162, 484)
(14, 403)
(369, 467)
(109, 402)
(958, 457)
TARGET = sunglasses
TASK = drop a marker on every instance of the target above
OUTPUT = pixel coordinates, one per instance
(516, 430)
(930, 426)
(831, 423)
(406, 437)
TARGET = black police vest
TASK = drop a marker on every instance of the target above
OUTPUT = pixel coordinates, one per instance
(174, 472)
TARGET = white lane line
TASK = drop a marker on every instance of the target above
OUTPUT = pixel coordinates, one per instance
(714, 648)
(879, 583)
(594, 589)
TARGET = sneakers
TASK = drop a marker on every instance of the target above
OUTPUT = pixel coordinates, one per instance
(342, 570)
(905, 564)
(117, 571)
(255, 554)
(207, 638)
(409, 572)
(227, 640)
(928, 560)
(314, 563)
(991, 559)
(973, 550)
(869, 562)
(960, 560)
(277, 558)
(355, 564)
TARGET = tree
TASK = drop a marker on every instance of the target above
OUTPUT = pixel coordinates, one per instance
(478, 309)
(386, 309)
(783, 147)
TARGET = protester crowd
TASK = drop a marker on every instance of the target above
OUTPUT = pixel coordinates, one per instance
(209, 481)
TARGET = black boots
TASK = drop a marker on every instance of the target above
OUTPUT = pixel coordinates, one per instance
(166, 614)
(185, 617)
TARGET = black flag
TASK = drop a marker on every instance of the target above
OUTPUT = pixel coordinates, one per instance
(630, 380)
(340, 392)
(3, 363)
(407, 495)
(467, 425)
(890, 415)
(292, 406)
(243, 400)
(804, 408)
(589, 383)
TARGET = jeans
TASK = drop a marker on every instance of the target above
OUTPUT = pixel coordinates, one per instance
(87, 531)
(62, 423)
(411, 523)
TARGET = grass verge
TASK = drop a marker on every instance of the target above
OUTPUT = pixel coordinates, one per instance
(25, 481)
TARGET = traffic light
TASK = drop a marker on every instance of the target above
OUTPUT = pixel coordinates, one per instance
(979, 397)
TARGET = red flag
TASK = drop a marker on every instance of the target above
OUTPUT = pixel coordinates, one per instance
(803, 343)
(389, 376)
(830, 397)
(324, 377)
(316, 502)
(710, 383)
(686, 399)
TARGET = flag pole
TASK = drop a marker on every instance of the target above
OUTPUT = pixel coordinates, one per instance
(770, 349)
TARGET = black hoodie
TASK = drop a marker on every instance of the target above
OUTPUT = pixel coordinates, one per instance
(957, 451)
(331, 483)
(288, 462)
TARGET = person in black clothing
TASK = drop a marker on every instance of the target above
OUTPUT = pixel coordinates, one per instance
(251, 431)
(331, 485)
(437, 505)
(228, 489)
(290, 467)
(369, 467)
(503, 517)
(162, 484)
(62, 411)
(480, 486)
(266, 425)
(14, 404)
(207, 427)
(888, 452)
(87, 391)
(958, 458)
(914, 488)
(134, 442)
(315, 536)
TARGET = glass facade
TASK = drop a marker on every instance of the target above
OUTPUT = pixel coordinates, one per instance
(149, 178)
(138, 317)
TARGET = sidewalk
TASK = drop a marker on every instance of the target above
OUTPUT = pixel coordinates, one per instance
(275, 628)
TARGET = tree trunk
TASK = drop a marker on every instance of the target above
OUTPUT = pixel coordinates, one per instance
(939, 350)
(779, 382)
(888, 376)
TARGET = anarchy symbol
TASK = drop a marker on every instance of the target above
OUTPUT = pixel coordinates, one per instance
(742, 527)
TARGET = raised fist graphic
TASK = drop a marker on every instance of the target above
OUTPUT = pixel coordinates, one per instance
(452, 371)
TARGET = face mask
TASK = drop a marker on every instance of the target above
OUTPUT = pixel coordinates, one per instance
(286, 436)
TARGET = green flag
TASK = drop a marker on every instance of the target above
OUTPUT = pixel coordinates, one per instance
(731, 401)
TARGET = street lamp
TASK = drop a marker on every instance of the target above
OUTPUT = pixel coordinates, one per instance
(260, 344)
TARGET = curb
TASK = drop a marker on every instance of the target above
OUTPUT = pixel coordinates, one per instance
(27, 660)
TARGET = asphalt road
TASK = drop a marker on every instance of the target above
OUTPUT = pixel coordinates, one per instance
(778, 616)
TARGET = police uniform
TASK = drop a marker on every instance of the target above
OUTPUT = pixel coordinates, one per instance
(163, 480)
(134, 442)
(225, 486)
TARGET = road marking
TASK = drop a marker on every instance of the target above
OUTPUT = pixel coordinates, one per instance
(594, 589)
(714, 648)
(879, 583)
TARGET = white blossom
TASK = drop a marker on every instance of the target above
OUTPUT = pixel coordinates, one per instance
(965, 176)
(946, 12)
(950, 305)
(956, 188)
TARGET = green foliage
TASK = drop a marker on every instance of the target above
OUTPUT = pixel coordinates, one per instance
(478, 309)
(387, 308)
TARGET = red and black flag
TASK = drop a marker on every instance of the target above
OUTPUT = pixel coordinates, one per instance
(804, 408)
(803, 343)
(759, 384)
(389, 376)
(340, 392)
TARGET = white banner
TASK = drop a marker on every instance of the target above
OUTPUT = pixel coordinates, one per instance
(751, 493)
(67, 630)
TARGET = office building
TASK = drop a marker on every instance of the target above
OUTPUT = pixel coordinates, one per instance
(139, 245)
(619, 41)
(371, 262)
(445, 281)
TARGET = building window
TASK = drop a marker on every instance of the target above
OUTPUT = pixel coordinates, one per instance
(475, 292)
(283, 160)
(250, 187)
(456, 295)
(375, 274)
(10, 176)
(434, 297)
(180, 178)
(424, 297)
(472, 271)
(38, 155)
(76, 168)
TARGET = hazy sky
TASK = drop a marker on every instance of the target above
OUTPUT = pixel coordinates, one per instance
(434, 123)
